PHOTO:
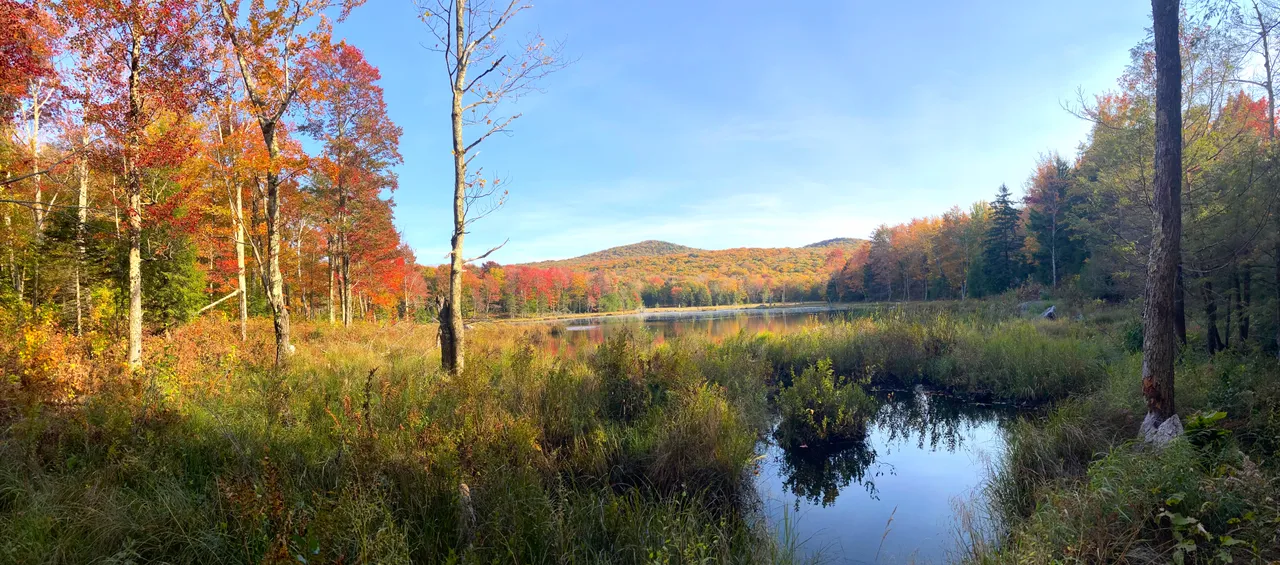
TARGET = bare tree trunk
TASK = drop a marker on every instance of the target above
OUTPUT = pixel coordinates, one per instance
(1212, 339)
(238, 216)
(451, 328)
(1246, 277)
(135, 272)
(275, 280)
(134, 212)
(1158, 344)
(1233, 305)
(333, 276)
(1180, 309)
(13, 263)
(40, 210)
(345, 266)
(1053, 240)
(82, 211)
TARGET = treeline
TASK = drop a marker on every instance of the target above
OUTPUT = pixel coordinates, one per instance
(153, 162)
(1084, 225)
(495, 290)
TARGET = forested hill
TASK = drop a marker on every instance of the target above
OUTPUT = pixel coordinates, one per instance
(838, 242)
(665, 260)
(647, 248)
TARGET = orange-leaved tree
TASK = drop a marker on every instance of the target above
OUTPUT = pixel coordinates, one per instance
(360, 146)
(271, 44)
(143, 72)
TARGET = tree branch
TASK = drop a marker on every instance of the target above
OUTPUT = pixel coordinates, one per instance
(217, 302)
(489, 252)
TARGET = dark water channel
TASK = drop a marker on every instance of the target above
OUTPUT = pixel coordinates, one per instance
(890, 499)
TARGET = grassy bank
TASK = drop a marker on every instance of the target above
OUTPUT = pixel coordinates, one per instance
(1078, 486)
(362, 452)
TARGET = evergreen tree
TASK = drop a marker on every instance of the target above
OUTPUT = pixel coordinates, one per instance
(1002, 262)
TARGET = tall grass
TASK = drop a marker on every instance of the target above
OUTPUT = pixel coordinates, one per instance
(1025, 361)
(361, 451)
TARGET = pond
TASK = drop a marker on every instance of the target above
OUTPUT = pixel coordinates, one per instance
(889, 499)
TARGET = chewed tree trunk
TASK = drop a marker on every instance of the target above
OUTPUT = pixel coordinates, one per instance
(1159, 342)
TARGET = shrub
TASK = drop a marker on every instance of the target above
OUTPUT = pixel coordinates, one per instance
(818, 409)
(620, 364)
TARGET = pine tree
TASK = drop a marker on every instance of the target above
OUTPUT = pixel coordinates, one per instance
(1003, 265)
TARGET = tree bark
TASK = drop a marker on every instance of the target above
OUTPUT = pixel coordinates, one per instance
(275, 280)
(451, 339)
(1180, 309)
(344, 267)
(238, 216)
(1233, 306)
(1212, 339)
(134, 212)
(82, 211)
(333, 276)
(1246, 277)
(1158, 346)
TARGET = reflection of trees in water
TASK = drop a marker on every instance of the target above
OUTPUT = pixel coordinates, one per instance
(584, 333)
(817, 475)
(929, 421)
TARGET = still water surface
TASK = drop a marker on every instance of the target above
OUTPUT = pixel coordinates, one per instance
(923, 453)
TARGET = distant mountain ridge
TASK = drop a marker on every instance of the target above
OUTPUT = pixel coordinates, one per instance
(648, 259)
(646, 248)
(658, 248)
(837, 242)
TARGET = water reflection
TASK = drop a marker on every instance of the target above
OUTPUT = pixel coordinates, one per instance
(921, 451)
(818, 475)
(572, 335)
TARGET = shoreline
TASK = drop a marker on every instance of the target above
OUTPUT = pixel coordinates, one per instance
(665, 312)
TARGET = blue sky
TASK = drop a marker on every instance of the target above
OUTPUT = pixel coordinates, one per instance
(722, 124)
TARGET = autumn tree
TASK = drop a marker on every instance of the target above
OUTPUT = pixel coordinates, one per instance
(271, 44)
(232, 154)
(143, 73)
(1051, 208)
(1253, 24)
(484, 76)
(347, 114)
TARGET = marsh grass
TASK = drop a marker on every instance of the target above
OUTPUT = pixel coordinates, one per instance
(360, 451)
(1014, 360)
